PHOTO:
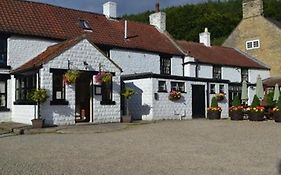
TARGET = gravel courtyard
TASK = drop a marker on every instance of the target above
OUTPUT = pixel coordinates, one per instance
(196, 147)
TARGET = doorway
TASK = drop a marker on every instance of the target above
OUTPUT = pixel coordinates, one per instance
(83, 97)
(198, 101)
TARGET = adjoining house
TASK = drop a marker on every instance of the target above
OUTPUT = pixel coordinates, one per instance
(207, 70)
(43, 42)
(258, 36)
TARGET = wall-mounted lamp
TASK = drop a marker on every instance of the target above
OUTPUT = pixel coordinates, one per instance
(86, 65)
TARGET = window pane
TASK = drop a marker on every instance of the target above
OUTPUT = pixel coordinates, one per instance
(165, 66)
(2, 87)
(217, 72)
(2, 101)
(221, 88)
(249, 45)
(162, 86)
(212, 88)
(58, 87)
(107, 91)
(256, 44)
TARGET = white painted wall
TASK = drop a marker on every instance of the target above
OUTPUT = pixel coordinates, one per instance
(21, 49)
(176, 66)
(205, 71)
(231, 73)
(141, 103)
(133, 62)
(253, 74)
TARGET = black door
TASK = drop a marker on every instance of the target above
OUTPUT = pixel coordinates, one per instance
(198, 101)
(82, 98)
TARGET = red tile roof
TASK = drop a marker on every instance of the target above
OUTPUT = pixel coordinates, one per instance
(43, 20)
(219, 55)
(50, 53)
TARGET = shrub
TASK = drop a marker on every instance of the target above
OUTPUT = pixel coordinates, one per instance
(255, 102)
(269, 99)
(236, 101)
(214, 102)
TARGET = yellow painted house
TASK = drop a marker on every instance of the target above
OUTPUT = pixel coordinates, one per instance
(258, 36)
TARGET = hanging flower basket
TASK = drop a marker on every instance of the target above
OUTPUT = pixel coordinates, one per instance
(174, 95)
(70, 76)
(103, 77)
(220, 96)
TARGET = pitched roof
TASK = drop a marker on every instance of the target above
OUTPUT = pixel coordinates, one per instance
(219, 55)
(43, 20)
(275, 22)
(52, 52)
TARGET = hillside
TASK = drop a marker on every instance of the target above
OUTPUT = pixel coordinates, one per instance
(186, 22)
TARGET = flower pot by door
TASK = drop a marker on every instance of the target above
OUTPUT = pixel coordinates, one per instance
(256, 116)
(236, 115)
(214, 115)
(37, 123)
(277, 117)
(126, 119)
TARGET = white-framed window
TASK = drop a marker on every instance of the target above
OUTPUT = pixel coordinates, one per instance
(178, 86)
(212, 88)
(252, 44)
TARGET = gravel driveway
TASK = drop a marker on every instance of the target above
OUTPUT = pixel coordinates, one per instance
(196, 147)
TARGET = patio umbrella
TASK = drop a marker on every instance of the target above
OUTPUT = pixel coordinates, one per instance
(276, 93)
(244, 93)
(259, 88)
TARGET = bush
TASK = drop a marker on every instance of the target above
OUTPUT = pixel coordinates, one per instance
(214, 102)
(279, 102)
(269, 99)
(236, 101)
(256, 101)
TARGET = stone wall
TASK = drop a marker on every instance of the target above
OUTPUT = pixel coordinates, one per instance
(259, 28)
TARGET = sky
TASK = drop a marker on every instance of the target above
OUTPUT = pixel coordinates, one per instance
(123, 6)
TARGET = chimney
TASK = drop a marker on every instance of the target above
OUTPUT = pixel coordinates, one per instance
(110, 9)
(252, 8)
(205, 38)
(158, 19)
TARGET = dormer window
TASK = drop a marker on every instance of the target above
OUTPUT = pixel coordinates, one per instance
(253, 44)
(85, 25)
(3, 51)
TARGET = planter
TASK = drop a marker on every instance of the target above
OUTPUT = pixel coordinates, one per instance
(236, 115)
(37, 123)
(277, 116)
(256, 116)
(214, 115)
(126, 119)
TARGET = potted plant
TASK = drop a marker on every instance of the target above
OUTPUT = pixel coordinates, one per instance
(38, 96)
(103, 77)
(277, 111)
(220, 96)
(236, 110)
(174, 95)
(127, 93)
(214, 112)
(70, 76)
(256, 111)
(268, 103)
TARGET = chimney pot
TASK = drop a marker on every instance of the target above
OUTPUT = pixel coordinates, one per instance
(157, 7)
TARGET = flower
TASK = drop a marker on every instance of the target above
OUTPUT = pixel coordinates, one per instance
(236, 108)
(257, 109)
(218, 108)
(103, 77)
(220, 96)
(70, 76)
(174, 95)
(276, 109)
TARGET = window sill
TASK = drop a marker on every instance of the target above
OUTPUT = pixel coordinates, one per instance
(163, 91)
(4, 109)
(108, 103)
(24, 103)
(59, 102)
